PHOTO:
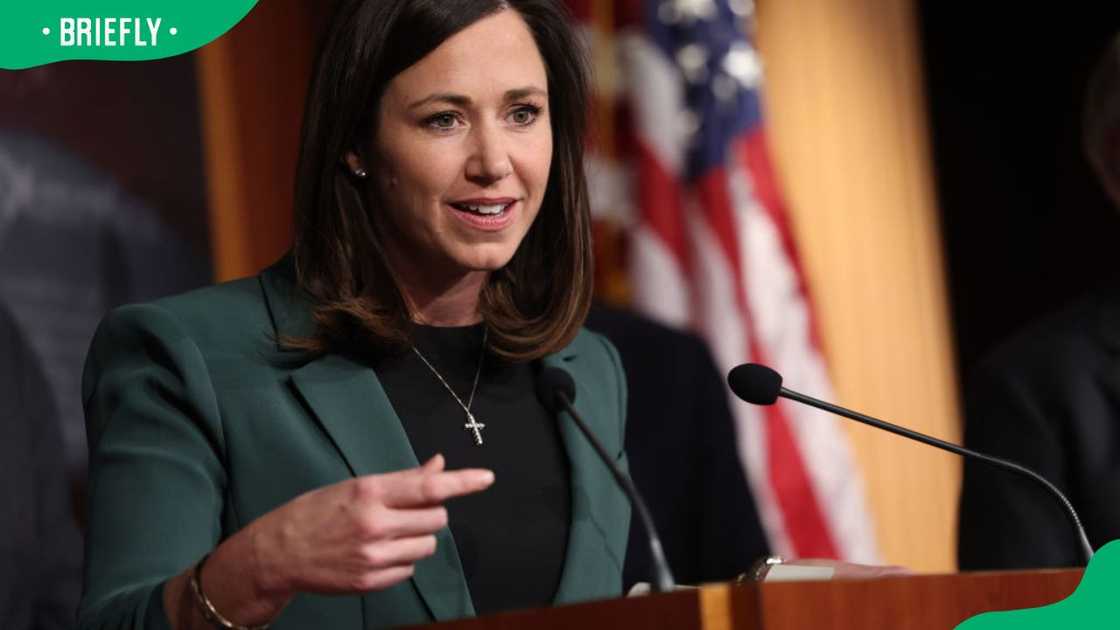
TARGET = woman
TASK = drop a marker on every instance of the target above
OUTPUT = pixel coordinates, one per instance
(257, 445)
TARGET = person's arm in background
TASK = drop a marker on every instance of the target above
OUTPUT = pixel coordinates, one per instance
(41, 516)
(1007, 521)
(731, 535)
(59, 583)
(683, 454)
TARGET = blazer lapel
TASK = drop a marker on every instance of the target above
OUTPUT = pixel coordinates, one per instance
(350, 404)
(348, 400)
(353, 409)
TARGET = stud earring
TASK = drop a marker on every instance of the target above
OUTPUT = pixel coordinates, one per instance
(360, 173)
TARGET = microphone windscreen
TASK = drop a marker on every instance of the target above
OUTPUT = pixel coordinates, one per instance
(754, 383)
(552, 381)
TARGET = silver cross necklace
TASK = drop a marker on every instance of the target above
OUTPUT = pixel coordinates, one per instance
(472, 424)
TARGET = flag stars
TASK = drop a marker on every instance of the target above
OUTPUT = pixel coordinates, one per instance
(696, 9)
(693, 60)
(741, 8)
(725, 88)
(690, 124)
(686, 11)
(742, 64)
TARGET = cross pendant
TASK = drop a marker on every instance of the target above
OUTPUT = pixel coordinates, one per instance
(476, 426)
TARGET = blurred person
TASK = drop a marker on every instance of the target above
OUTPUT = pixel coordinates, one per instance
(682, 448)
(256, 447)
(40, 549)
(90, 198)
(1050, 399)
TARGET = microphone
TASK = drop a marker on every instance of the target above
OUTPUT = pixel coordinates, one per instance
(557, 390)
(760, 385)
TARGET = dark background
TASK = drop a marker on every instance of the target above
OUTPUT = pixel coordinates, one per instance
(138, 123)
(1026, 226)
(102, 202)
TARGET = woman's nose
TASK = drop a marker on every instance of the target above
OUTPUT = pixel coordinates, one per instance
(490, 160)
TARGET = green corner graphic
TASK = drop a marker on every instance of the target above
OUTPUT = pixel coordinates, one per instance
(33, 33)
(1093, 605)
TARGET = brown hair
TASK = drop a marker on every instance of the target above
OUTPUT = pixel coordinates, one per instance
(531, 307)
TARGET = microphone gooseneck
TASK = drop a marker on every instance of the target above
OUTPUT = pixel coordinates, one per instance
(557, 390)
(761, 385)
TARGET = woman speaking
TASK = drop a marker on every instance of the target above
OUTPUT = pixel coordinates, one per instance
(351, 439)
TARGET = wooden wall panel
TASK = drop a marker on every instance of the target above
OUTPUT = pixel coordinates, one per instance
(846, 113)
(253, 82)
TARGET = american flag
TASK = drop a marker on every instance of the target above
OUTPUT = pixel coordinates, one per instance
(680, 175)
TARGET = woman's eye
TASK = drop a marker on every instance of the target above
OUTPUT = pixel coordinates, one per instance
(445, 120)
(524, 115)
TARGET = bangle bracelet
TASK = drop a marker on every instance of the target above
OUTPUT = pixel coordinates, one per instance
(209, 613)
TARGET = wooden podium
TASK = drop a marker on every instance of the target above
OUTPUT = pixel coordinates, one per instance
(935, 602)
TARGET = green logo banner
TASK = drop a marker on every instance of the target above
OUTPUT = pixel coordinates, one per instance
(37, 32)
(1093, 605)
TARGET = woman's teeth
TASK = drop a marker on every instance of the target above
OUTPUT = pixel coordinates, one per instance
(488, 209)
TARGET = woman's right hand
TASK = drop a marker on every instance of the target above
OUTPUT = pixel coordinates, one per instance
(357, 535)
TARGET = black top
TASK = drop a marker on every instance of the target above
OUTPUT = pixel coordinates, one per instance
(511, 537)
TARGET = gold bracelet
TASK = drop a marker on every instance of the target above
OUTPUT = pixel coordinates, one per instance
(209, 613)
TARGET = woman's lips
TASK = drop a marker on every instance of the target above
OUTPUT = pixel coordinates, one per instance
(487, 222)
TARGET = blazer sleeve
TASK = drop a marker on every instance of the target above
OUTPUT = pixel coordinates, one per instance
(157, 478)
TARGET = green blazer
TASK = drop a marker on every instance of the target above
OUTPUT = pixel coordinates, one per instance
(199, 422)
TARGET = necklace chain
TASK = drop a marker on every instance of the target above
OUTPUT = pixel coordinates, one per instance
(472, 424)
